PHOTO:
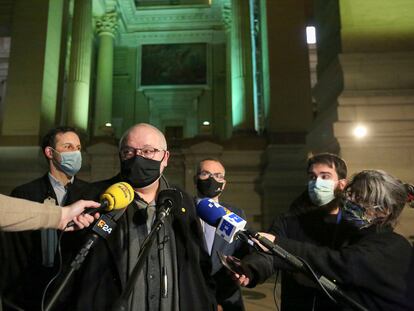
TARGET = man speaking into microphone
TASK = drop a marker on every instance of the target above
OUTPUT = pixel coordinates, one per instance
(175, 275)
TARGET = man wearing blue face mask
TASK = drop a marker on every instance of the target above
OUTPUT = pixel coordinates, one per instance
(35, 251)
(375, 267)
(314, 217)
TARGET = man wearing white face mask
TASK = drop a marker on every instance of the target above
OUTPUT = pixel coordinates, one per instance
(314, 217)
(35, 252)
(326, 179)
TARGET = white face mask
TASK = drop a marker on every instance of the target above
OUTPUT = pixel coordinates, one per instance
(321, 191)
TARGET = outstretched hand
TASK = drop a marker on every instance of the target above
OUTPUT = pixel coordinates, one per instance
(74, 212)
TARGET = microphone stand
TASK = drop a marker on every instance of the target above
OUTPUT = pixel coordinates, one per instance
(122, 302)
(103, 228)
(298, 264)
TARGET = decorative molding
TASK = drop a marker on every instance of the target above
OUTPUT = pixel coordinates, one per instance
(226, 15)
(209, 17)
(188, 36)
(107, 24)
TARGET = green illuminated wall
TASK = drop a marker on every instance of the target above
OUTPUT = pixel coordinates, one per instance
(25, 96)
(377, 25)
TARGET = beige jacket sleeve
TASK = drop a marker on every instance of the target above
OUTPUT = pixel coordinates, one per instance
(20, 215)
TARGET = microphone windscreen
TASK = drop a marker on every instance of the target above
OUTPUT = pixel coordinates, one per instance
(118, 196)
(171, 197)
(211, 212)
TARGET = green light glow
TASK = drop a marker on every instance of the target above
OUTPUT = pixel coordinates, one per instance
(379, 25)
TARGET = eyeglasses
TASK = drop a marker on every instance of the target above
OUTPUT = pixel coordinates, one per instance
(128, 152)
(216, 176)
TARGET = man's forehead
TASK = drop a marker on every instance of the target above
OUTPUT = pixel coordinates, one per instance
(143, 137)
(322, 168)
(211, 165)
(67, 138)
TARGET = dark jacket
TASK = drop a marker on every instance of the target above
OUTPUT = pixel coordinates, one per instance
(102, 278)
(228, 293)
(27, 277)
(374, 268)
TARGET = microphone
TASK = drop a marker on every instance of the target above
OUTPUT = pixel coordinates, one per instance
(226, 222)
(167, 199)
(117, 196)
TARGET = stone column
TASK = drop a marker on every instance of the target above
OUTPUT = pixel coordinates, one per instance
(30, 103)
(241, 68)
(228, 126)
(106, 28)
(80, 65)
(288, 110)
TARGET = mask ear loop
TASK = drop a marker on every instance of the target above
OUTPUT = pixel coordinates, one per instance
(53, 149)
(53, 158)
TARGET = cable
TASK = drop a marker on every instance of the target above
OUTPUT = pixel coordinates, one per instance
(313, 273)
(60, 264)
(275, 291)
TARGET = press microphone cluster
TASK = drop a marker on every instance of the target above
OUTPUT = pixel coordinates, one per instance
(117, 196)
(228, 224)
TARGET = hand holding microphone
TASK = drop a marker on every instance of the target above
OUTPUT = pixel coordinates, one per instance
(74, 212)
(117, 196)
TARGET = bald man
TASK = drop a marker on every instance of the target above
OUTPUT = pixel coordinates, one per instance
(176, 272)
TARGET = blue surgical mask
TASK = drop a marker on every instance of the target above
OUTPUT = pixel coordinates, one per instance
(70, 162)
(321, 191)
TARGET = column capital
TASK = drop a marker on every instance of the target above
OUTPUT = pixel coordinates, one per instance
(226, 16)
(107, 23)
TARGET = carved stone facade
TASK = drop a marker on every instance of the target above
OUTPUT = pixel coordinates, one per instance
(107, 24)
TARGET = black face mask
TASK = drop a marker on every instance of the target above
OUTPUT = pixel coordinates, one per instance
(140, 172)
(209, 187)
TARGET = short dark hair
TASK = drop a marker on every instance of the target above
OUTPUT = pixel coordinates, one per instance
(50, 138)
(332, 160)
(208, 159)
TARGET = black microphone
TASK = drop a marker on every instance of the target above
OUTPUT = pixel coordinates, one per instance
(168, 199)
(103, 227)
(298, 263)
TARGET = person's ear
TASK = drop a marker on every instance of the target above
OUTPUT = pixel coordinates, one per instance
(48, 151)
(342, 184)
(164, 162)
(224, 185)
